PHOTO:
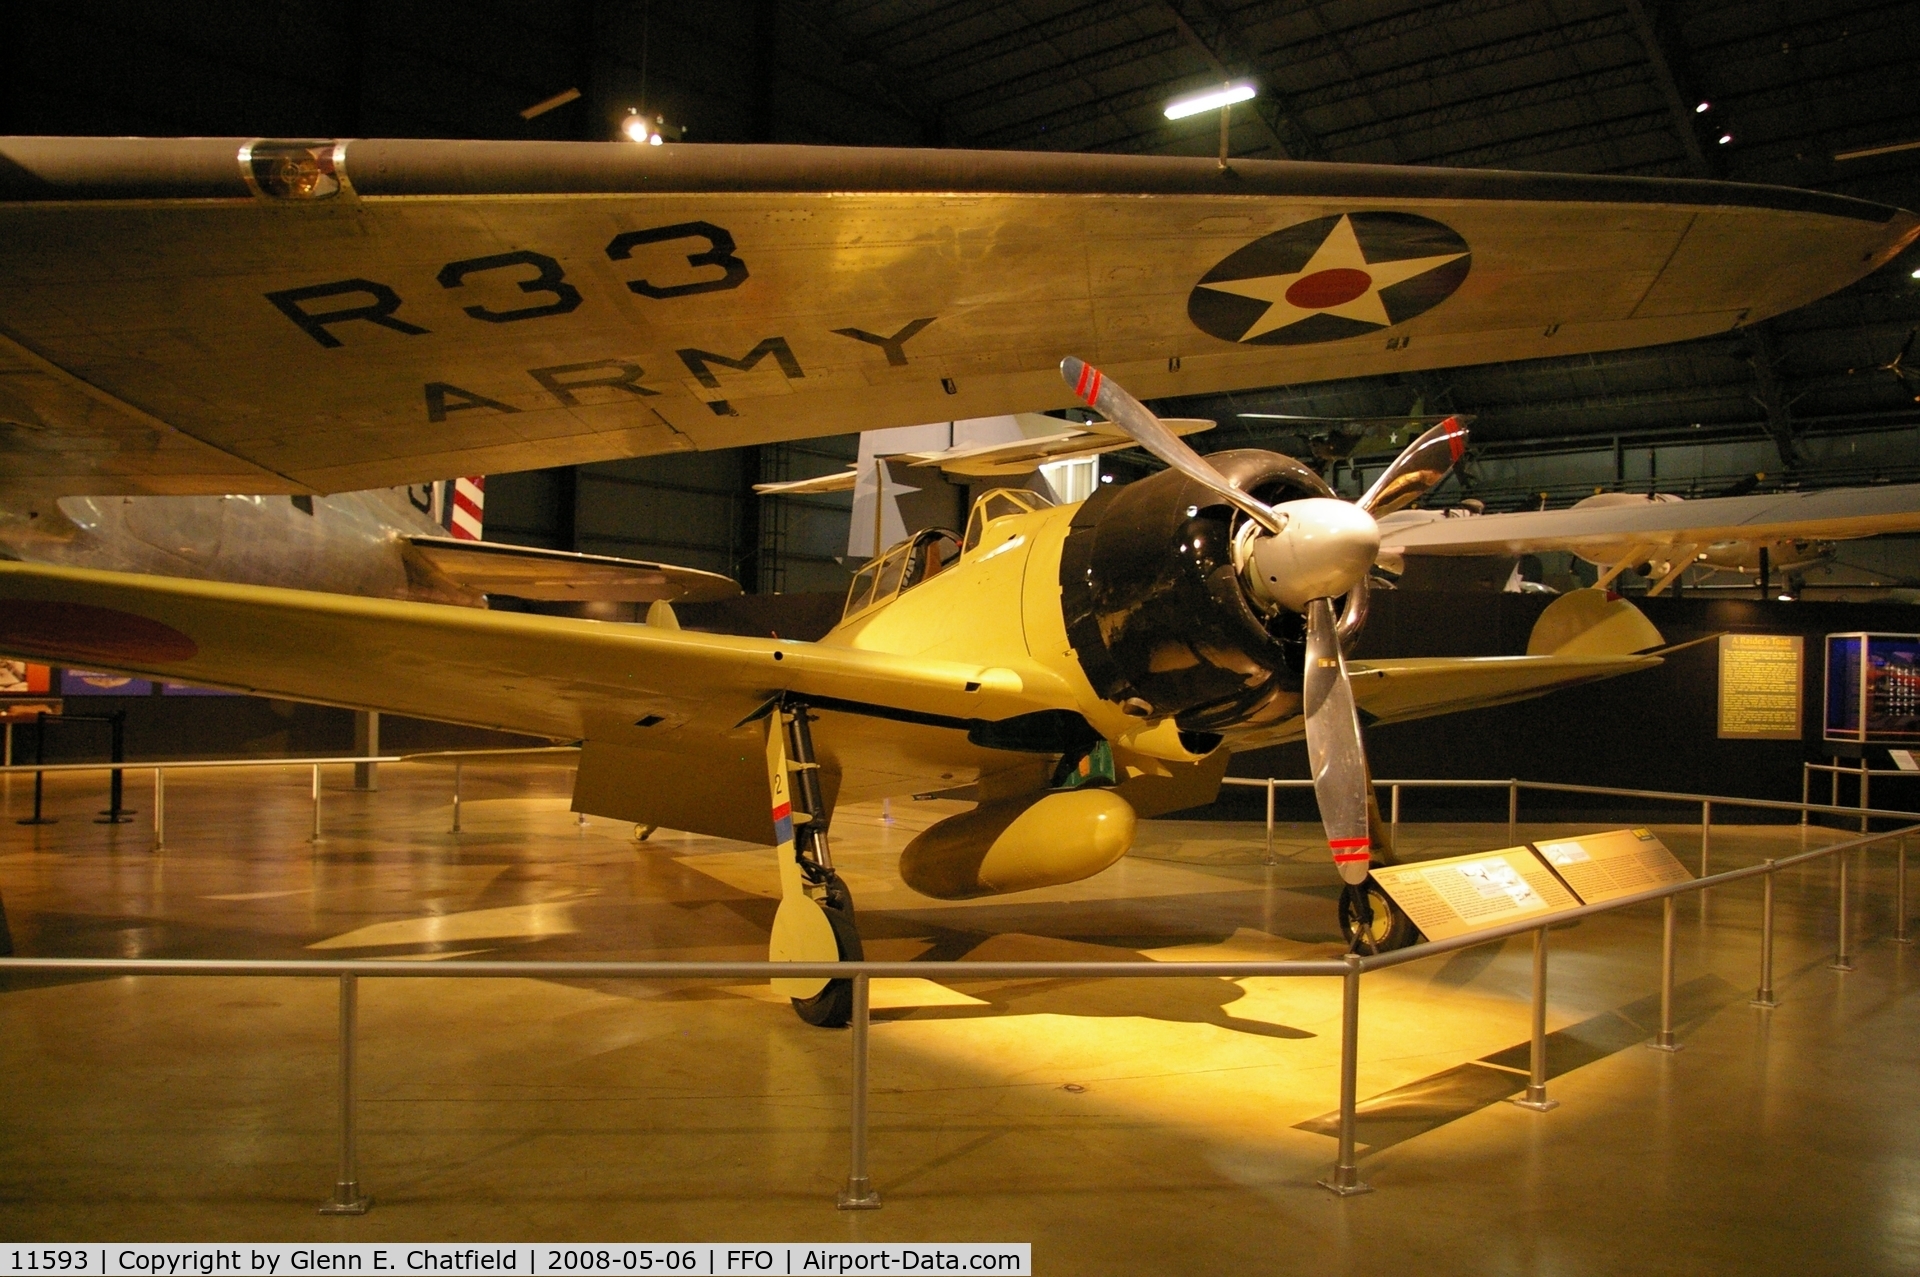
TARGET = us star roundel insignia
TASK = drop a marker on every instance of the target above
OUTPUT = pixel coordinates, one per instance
(1330, 278)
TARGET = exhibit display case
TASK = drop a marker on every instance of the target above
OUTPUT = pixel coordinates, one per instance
(1873, 689)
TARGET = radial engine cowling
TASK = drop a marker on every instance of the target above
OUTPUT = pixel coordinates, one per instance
(1016, 844)
(1157, 610)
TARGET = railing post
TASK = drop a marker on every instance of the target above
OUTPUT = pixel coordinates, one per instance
(1663, 1040)
(1841, 960)
(1513, 811)
(1706, 836)
(39, 778)
(347, 1198)
(1536, 1096)
(159, 808)
(1806, 791)
(1345, 1180)
(1269, 820)
(1900, 935)
(316, 803)
(1394, 823)
(859, 1194)
(1865, 777)
(1763, 997)
(456, 797)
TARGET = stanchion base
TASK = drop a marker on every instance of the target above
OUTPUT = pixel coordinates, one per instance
(1345, 1182)
(114, 820)
(39, 820)
(1840, 964)
(347, 1201)
(1665, 1042)
(1764, 1003)
(1540, 1105)
(1903, 939)
(859, 1195)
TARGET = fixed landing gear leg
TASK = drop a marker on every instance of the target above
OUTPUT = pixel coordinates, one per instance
(815, 922)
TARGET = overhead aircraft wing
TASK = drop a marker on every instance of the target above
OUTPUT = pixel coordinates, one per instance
(246, 315)
(528, 572)
(1833, 514)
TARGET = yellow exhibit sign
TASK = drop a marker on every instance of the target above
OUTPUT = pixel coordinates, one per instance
(1451, 897)
(1608, 866)
(1760, 682)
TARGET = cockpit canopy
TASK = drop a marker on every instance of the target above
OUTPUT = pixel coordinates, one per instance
(932, 550)
(920, 556)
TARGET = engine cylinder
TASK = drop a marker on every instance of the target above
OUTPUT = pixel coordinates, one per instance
(1016, 844)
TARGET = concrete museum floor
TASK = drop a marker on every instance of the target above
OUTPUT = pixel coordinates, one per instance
(1162, 1126)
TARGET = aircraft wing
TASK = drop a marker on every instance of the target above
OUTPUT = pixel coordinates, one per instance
(1395, 690)
(839, 481)
(541, 675)
(1833, 514)
(528, 572)
(245, 315)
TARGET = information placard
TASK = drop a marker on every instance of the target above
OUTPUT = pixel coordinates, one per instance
(1607, 866)
(1451, 897)
(1760, 681)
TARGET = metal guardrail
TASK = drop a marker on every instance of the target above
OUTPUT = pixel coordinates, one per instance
(160, 768)
(859, 1194)
(1513, 785)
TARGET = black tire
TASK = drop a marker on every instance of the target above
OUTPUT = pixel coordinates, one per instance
(1389, 928)
(832, 1007)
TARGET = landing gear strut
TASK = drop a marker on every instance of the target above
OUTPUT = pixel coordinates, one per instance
(810, 888)
(1371, 923)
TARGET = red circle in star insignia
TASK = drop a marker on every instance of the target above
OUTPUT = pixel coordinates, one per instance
(1326, 288)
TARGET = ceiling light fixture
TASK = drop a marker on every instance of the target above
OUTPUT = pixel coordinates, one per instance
(1212, 100)
(1702, 108)
(1725, 138)
(640, 128)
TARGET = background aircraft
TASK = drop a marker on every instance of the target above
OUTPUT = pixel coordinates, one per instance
(421, 542)
(1662, 536)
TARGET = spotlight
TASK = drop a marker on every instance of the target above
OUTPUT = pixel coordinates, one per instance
(1702, 108)
(1916, 274)
(1725, 138)
(649, 129)
(1212, 100)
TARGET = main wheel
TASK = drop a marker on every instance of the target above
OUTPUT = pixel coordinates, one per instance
(1372, 923)
(832, 1007)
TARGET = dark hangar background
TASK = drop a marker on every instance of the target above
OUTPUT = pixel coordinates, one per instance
(1817, 96)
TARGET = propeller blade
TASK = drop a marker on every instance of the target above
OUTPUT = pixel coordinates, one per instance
(1334, 749)
(1147, 430)
(1418, 470)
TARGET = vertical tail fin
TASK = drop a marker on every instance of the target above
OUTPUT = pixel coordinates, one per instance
(462, 506)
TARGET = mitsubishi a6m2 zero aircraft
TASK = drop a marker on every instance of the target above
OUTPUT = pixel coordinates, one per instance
(210, 316)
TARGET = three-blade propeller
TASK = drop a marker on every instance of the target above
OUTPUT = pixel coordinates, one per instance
(1308, 552)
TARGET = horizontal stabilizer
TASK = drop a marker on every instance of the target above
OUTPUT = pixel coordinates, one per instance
(527, 572)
